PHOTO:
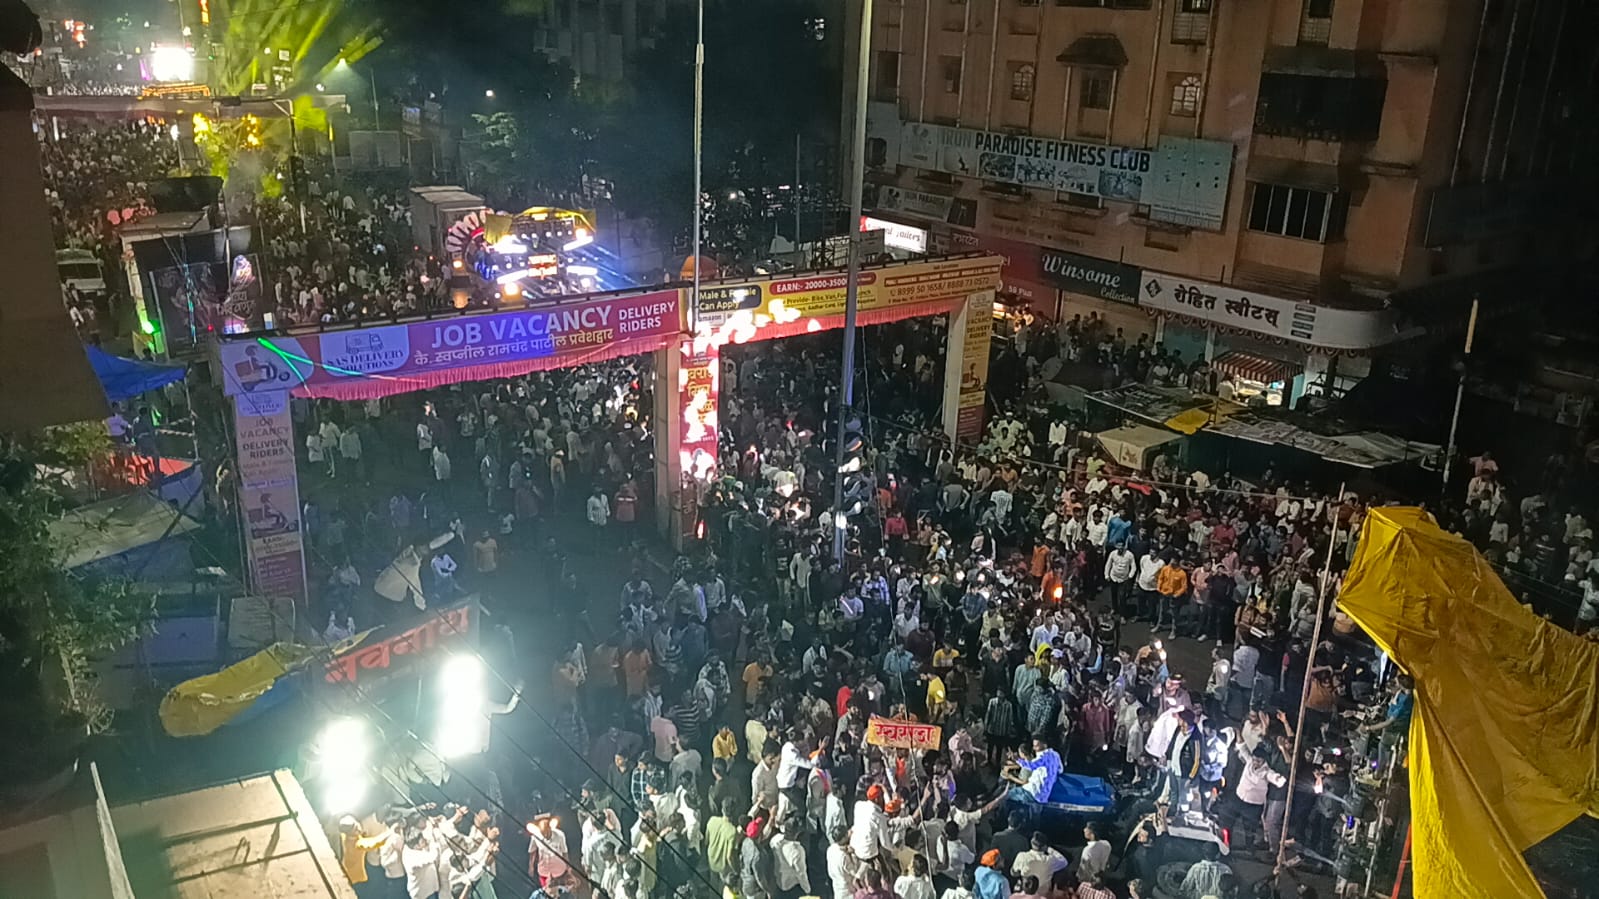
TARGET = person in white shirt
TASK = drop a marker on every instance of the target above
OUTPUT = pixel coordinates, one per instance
(965, 887)
(916, 883)
(1095, 858)
(421, 863)
(842, 865)
(598, 511)
(793, 767)
(1097, 529)
(788, 859)
(871, 834)
(1040, 861)
(441, 465)
(763, 782)
(1121, 567)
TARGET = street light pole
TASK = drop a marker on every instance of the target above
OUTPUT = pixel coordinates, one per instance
(846, 396)
(699, 127)
(377, 123)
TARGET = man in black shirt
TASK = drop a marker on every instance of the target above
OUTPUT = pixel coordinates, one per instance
(1013, 840)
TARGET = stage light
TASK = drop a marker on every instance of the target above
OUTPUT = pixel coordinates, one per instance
(171, 64)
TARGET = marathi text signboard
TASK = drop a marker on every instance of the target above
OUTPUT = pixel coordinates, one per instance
(895, 734)
(269, 493)
(819, 296)
(415, 355)
(393, 649)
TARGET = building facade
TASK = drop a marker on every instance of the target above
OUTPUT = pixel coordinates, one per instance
(597, 38)
(1315, 182)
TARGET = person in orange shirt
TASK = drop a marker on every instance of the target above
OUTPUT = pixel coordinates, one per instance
(1171, 582)
(354, 845)
(1040, 563)
(1052, 586)
(636, 664)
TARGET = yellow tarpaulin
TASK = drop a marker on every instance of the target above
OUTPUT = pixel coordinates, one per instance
(1505, 733)
(200, 706)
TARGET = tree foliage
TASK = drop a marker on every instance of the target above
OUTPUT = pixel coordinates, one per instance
(53, 623)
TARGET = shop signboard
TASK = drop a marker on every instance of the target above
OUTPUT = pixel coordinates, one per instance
(1229, 306)
(1090, 276)
(895, 235)
(269, 494)
(1326, 327)
(415, 355)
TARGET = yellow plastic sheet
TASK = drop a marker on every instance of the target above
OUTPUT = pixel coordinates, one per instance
(1505, 732)
(200, 706)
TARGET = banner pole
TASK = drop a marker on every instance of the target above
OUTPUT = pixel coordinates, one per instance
(1310, 665)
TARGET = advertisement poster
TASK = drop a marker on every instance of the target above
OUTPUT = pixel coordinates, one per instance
(699, 388)
(976, 339)
(1181, 180)
(269, 494)
(782, 301)
(420, 354)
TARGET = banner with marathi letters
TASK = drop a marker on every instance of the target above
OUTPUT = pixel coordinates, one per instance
(896, 734)
(395, 649)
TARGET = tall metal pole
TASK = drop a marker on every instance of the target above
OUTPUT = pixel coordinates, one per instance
(846, 394)
(1310, 665)
(799, 255)
(699, 126)
(1460, 393)
(377, 123)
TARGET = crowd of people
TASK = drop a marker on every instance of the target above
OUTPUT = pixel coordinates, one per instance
(1035, 604)
(1141, 681)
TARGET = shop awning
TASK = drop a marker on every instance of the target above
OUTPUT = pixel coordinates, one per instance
(1103, 50)
(1252, 367)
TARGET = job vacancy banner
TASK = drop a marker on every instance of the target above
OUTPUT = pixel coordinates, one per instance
(396, 358)
(269, 493)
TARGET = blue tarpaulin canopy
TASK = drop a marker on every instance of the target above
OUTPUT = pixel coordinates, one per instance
(125, 379)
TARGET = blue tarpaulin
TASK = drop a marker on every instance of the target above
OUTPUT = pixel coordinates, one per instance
(124, 379)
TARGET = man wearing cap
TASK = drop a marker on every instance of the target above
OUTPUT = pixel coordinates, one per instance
(354, 844)
(871, 835)
(990, 882)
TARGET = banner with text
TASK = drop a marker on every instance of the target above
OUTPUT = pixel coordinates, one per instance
(976, 338)
(1326, 327)
(698, 395)
(269, 493)
(1090, 275)
(896, 734)
(751, 307)
(412, 356)
(1181, 180)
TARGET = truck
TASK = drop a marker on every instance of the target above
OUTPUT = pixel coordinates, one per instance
(434, 208)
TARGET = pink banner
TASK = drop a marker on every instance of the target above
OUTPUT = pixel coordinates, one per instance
(378, 361)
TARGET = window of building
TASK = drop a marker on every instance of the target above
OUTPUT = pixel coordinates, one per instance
(1298, 212)
(1026, 2)
(1319, 107)
(950, 66)
(1315, 25)
(1195, 6)
(886, 88)
(1096, 90)
(1021, 80)
(1185, 96)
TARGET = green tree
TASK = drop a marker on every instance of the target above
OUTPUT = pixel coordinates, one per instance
(53, 623)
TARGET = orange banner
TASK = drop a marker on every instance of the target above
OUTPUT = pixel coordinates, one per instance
(896, 734)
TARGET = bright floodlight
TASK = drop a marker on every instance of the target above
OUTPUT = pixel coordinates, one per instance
(344, 738)
(171, 64)
(462, 719)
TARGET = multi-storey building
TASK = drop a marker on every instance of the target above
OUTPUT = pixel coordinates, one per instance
(597, 38)
(1312, 182)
